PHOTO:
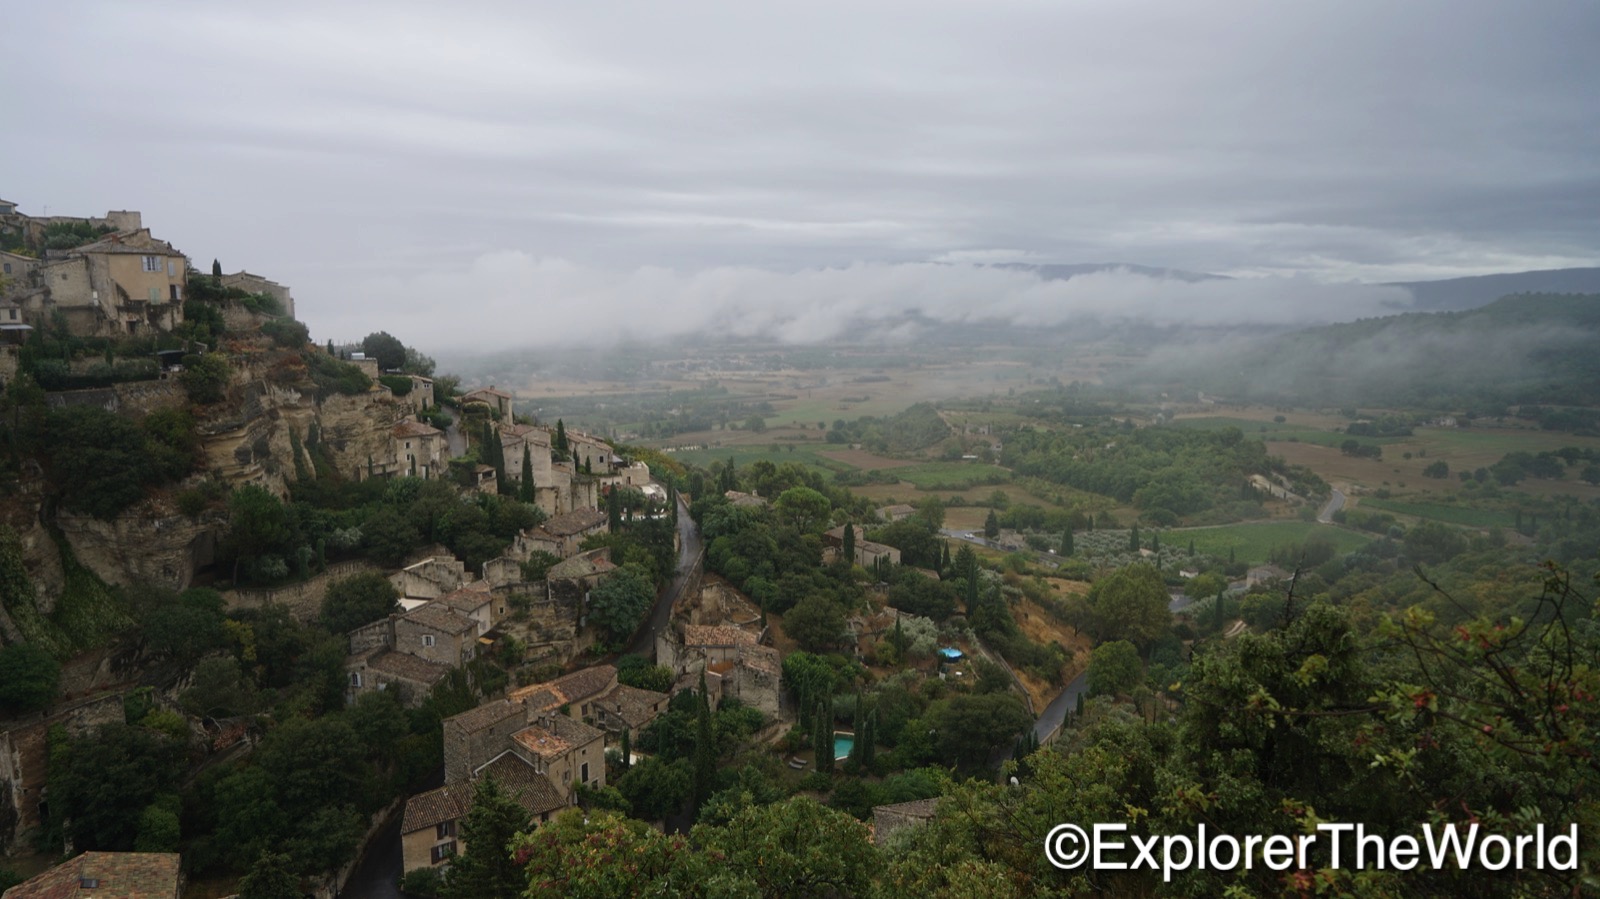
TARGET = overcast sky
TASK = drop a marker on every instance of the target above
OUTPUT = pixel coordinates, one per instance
(499, 172)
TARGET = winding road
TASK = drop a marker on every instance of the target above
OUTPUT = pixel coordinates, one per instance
(689, 549)
(1334, 504)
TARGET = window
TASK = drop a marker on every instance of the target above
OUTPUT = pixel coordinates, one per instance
(8, 268)
(584, 776)
(443, 851)
(355, 678)
(177, 292)
(155, 294)
(427, 639)
(152, 263)
(444, 829)
(172, 268)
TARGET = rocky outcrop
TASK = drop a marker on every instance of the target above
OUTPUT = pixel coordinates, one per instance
(148, 544)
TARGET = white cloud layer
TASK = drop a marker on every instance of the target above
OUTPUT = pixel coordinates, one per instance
(511, 299)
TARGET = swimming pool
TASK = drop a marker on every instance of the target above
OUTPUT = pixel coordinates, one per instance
(842, 744)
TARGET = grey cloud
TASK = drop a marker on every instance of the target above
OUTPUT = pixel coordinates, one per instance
(327, 144)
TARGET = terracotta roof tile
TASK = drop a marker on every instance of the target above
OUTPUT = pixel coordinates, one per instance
(410, 667)
(719, 635)
(446, 803)
(120, 875)
(530, 789)
(440, 617)
(486, 715)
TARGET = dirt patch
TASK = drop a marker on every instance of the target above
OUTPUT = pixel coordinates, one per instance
(1043, 627)
(864, 460)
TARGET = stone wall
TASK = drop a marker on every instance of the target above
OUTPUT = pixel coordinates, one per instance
(304, 600)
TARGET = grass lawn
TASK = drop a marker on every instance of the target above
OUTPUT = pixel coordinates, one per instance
(1254, 543)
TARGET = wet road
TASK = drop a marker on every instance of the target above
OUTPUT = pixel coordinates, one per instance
(689, 547)
(1334, 504)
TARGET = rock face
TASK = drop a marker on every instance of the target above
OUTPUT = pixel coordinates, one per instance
(145, 545)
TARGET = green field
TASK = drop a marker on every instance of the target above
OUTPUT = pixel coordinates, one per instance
(951, 475)
(1449, 514)
(748, 453)
(1254, 543)
(1271, 430)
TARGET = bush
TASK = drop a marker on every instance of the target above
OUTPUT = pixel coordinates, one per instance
(287, 333)
(423, 882)
(205, 378)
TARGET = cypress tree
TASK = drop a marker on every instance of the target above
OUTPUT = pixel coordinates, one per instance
(869, 739)
(1079, 709)
(527, 492)
(705, 748)
(1133, 539)
(627, 750)
(613, 510)
(1191, 547)
(1222, 601)
(1090, 525)
(848, 554)
(972, 592)
(1066, 542)
(561, 438)
(825, 735)
(1155, 541)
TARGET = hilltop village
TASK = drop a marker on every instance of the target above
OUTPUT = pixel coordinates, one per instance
(109, 319)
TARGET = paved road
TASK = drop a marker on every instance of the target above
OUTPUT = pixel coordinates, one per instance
(1056, 711)
(1334, 504)
(689, 546)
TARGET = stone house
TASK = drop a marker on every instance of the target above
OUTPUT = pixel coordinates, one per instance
(430, 578)
(127, 283)
(381, 668)
(593, 696)
(590, 454)
(430, 831)
(437, 633)
(560, 536)
(107, 875)
(898, 512)
(734, 662)
(867, 552)
(565, 750)
(419, 450)
(476, 601)
(250, 283)
(497, 400)
(17, 270)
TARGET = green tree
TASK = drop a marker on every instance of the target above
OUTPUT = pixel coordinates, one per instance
(797, 847)
(1129, 604)
(1066, 543)
(969, 727)
(705, 748)
(527, 491)
(486, 870)
(389, 536)
(560, 443)
(270, 877)
(386, 348)
(619, 604)
(657, 788)
(847, 553)
(991, 526)
(205, 378)
(803, 508)
(1133, 539)
(816, 623)
(100, 784)
(357, 600)
(1114, 669)
(29, 678)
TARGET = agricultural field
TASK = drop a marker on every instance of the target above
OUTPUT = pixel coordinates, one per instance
(744, 454)
(1254, 542)
(1447, 513)
(952, 475)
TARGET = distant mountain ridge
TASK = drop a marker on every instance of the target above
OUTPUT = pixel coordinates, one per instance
(1455, 294)
(1066, 271)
